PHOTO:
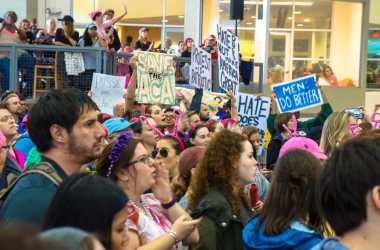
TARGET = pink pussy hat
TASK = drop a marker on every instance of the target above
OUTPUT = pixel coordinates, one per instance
(305, 144)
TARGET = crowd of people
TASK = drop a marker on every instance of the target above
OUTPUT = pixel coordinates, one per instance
(177, 177)
(153, 176)
(99, 32)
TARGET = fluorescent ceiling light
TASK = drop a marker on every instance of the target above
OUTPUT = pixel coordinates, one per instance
(290, 18)
(300, 25)
(220, 10)
(297, 12)
(249, 23)
(310, 3)
(181, 17)
(253, 17)
(306, 20)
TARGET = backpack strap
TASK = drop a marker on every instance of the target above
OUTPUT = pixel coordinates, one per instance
(43, 168)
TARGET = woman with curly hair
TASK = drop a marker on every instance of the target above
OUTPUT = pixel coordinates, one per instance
(216, 190)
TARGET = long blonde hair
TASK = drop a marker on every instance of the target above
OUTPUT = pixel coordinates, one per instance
(336, 130)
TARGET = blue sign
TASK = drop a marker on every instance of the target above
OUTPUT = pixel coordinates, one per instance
(298, 94)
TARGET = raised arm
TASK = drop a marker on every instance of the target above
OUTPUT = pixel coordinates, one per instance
(119, 18)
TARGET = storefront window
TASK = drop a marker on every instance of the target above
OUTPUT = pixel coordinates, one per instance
(305, 34)
(373, 63)
(163, 18)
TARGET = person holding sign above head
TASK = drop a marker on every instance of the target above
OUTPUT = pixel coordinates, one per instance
(285, 123)
(312, 127)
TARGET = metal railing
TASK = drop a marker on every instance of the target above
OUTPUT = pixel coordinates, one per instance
(31, 69)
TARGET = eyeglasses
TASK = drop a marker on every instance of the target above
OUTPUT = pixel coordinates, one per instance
(164, 152)
(6, 118)
(145, 160)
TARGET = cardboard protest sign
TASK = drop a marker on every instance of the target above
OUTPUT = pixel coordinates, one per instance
(253, 111)
(155, 79)
(228, 53)
(200, 69)
(297, 94)
(107, 91)
(214, 100)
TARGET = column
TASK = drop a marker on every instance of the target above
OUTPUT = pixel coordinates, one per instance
(193, 20)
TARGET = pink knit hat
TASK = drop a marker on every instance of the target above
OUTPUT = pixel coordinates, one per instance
(93, 14)
(303, 143)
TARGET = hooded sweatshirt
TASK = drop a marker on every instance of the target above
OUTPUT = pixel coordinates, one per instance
(296, 237)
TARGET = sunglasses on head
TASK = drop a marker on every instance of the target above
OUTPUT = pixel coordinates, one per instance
(164, 152)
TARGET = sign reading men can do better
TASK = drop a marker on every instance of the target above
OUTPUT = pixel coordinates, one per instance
(200, 69)
(297, 95)
(228, 53)
(155, 79)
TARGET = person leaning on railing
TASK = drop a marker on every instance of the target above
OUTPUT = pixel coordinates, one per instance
(66, 36)
(10, 34)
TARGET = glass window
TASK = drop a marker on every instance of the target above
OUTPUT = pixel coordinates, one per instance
(311, 44)
(246, 27)
(281, 13)
(312, 14)
(373, 63)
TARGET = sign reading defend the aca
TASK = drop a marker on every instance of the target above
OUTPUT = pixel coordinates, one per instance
(298, 94)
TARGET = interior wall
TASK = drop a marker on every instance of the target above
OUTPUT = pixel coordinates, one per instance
(154, 34)
(345, 40)
(374, 8)
(210, 17)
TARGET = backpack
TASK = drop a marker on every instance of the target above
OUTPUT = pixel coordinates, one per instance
(42, 168)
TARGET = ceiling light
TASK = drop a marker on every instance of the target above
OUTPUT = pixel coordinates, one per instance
(289, 3)
(306, 20)
(249, 23)
(253, 17)
(290, 18)
(300, 25)
(297, 12)
(220, 10)
(181, 17)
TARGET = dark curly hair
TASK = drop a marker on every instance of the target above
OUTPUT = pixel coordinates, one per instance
(219, 169)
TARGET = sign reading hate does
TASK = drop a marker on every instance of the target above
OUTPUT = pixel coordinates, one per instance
(254, 111)
(228, 53)
(297, 94)
(155, 79)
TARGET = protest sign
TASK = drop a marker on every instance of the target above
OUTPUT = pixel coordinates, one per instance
(214, 100)
(254, 111)
(107, 90)
(200, 69)
(228, 53)
(297, 94)
(155, 79)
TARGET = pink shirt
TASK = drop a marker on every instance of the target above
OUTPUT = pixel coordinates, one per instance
(18, 157)
(148, 220)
